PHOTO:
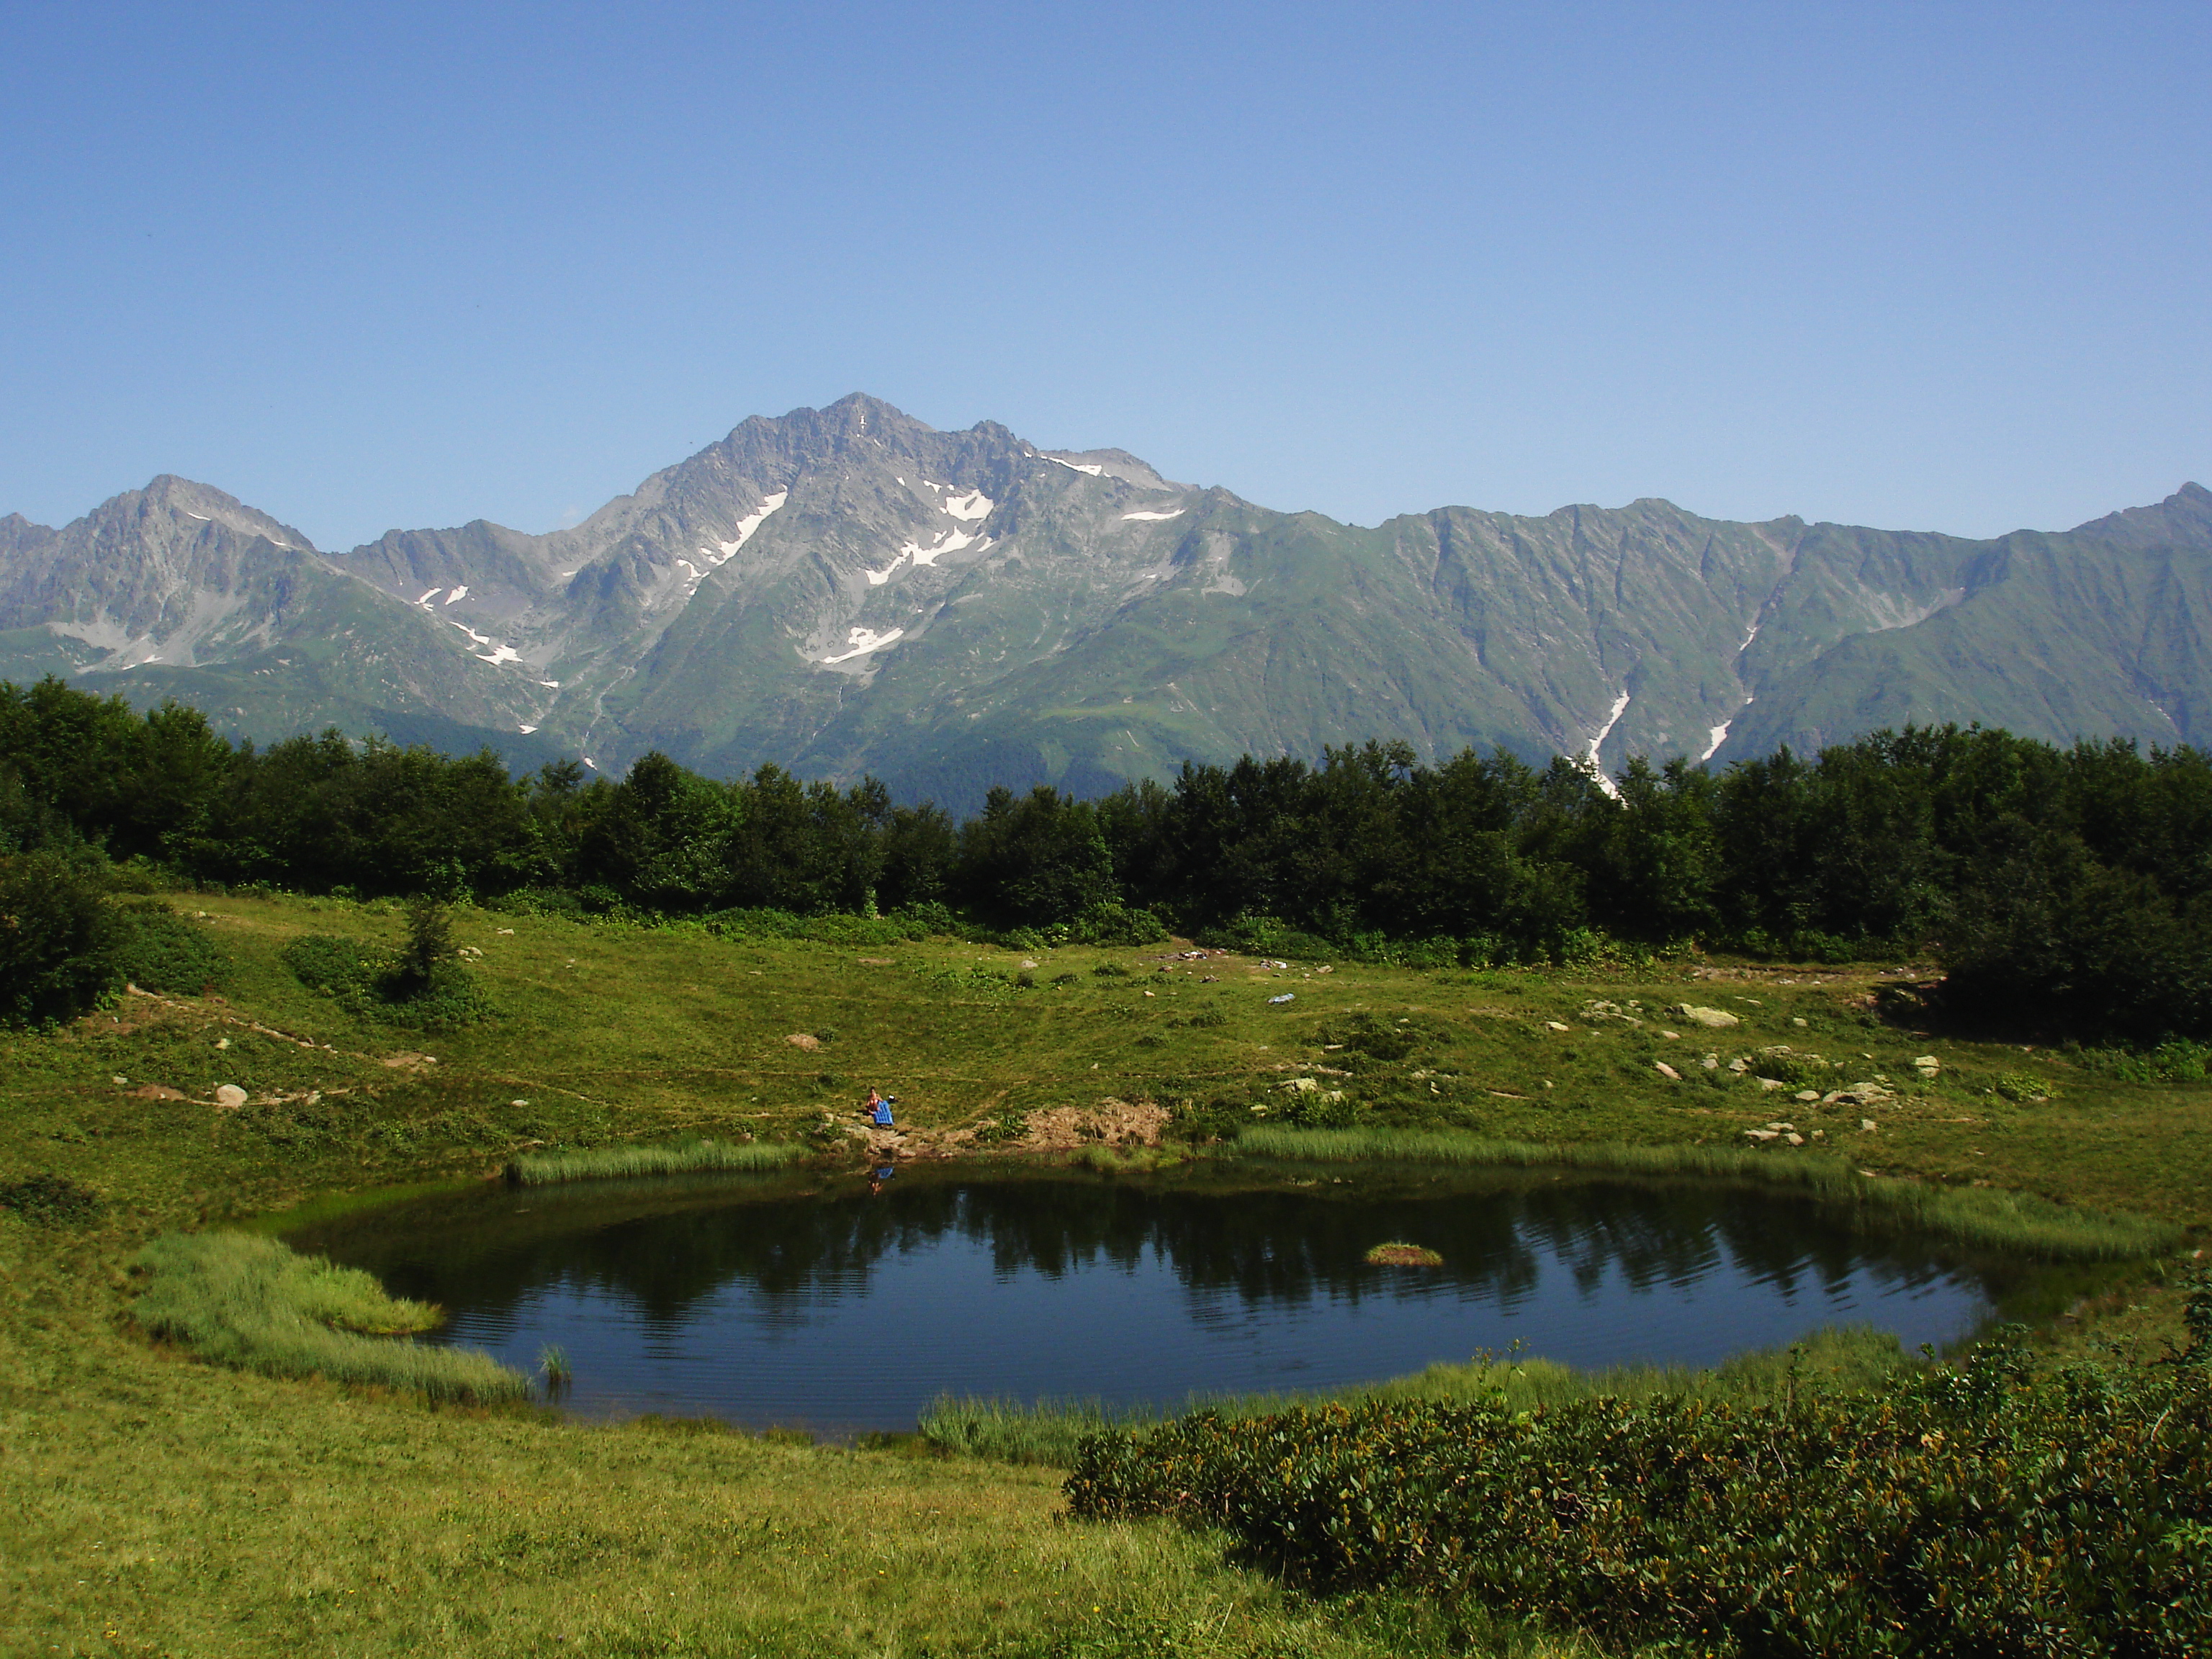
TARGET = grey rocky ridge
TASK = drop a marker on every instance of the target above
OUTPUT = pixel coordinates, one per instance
(847, 590)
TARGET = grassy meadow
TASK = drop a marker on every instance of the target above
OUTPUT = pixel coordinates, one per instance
(159, 1503)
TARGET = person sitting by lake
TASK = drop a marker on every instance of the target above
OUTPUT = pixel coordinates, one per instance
(878, 1109)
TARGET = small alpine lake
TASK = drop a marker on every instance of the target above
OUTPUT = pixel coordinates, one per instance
(843, 1303)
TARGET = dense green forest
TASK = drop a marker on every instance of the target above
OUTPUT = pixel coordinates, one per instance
(2068, 890)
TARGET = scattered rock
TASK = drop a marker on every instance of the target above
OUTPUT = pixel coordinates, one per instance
(1717, 1018)
(1763, 1135)
(517, 1102)
(230, 1097)
(1595, 1012)
(1738, 1065)
(119, 1082)
(502, 930)
(1026, 963)
(223, 1043)
(1866, 1126)
(1798, 1023)
(1783, 1128)
(1287, 996)
(1769, 1085)
(1298, 1085)
(1666, 1070)
(1805, 1096)
(1671, 1036)
(805, 1041)
(1794, 1139)
(1553, 1026)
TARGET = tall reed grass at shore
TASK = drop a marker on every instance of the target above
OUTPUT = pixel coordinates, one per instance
(1049, 1432)
(1984, 1218)
(680, 1157)
(255, 1304)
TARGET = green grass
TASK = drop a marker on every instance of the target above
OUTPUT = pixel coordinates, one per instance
(197, 1508)
(238, 1300)
(2014, 1223)
(611, 1163)
(1049, 1432)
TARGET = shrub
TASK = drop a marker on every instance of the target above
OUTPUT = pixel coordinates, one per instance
(1115, 923)
(1265, 936)
(371, 985)
(57, 941)
(161, 951)
(1969, 1509)
(1379, 1037)
(49, 1199)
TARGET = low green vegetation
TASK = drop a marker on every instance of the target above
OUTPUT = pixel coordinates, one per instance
(681, 1158)
(1053, 1431)
(239, 1300)
(1977, 1508)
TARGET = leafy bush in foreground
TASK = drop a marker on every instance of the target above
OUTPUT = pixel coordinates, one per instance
(1973, 1509)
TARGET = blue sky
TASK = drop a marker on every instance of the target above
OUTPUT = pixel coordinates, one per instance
(1925, 265)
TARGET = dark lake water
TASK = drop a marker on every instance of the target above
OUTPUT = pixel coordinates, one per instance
(813, 1302)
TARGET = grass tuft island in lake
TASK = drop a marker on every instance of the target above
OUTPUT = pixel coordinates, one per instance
(250, 1507)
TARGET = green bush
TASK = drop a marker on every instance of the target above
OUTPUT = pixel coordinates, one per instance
(1974, 1509)
(158, 950)
(57, 941)
(49, 1200)
(1115, 923)
(1380, 1038)
(372, 985)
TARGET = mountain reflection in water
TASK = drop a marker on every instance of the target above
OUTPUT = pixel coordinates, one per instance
(814, 1300)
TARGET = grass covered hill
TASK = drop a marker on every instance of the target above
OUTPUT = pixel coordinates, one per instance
(156, 1502)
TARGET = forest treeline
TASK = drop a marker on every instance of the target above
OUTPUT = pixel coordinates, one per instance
(2068, 888)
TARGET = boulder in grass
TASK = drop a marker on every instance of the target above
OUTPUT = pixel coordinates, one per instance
(804, 1040)
(1398, 1253)
(1718, 1019)
(230, 1097)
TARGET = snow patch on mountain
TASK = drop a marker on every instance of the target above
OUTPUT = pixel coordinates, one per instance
(864, 641)
(1604, 782)
(460, 593)
(500, 654)
(1153, 518)
(425, 600)
(746, 525)
(1093, 469)
(974, 507)
(953, 541)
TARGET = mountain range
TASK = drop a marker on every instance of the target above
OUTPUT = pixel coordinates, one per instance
(847, 590)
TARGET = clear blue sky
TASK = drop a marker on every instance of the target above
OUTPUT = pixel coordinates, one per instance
(1916, 265)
